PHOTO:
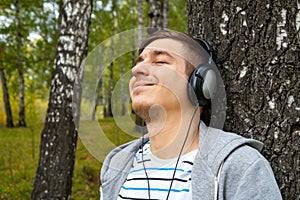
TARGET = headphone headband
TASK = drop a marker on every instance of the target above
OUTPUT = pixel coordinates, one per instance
(207, 47)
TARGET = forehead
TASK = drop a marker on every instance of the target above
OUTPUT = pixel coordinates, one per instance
(167, 45)
(178, 49)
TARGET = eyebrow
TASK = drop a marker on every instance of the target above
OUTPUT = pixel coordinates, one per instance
(156, 53)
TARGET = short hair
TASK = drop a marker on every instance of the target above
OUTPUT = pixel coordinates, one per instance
(165, 33)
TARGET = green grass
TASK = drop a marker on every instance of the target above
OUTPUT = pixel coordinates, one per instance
(19, 150)
(19, 156)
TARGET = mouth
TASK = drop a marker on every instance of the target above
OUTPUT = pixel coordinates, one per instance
(145, 84)
(142, 85)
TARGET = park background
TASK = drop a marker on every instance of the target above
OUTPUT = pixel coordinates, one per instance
(43, 45)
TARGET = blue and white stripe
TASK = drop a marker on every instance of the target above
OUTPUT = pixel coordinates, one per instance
(160, 173)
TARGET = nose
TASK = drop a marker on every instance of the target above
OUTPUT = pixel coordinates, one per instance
(140, 70)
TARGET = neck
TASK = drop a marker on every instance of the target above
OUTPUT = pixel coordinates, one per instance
(168, 130)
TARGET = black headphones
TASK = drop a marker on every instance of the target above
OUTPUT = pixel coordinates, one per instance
(203, 80)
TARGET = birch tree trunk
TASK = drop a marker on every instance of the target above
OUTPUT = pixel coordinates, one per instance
(9, 117)
(155, 15)
(165, 14)
(258, 49)
(22, 122)
(100, 70)
(141, 23)
(59, 138)
(122, 85)
(111, 66)
(103, 96)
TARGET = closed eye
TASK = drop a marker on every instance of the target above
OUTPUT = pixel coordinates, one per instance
(161, 62)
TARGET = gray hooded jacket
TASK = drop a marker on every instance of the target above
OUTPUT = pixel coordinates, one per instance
(244, 172)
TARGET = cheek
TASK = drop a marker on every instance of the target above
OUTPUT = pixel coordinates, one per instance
(130, 85)
(175, 82)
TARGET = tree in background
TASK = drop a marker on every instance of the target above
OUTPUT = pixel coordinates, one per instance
(111, 66)
(257, 44)
(19, 50)
(157, 14)
(30, 36)
(59, 138)
(100, 29)
(121, 64)
(14, 33)
(9, 117)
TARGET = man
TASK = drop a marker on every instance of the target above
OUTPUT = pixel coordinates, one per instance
(181, 157)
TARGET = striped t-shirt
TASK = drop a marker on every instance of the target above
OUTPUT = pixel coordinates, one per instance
(160, 173)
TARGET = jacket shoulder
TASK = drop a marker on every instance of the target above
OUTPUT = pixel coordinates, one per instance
(247, 174)
(216, 145)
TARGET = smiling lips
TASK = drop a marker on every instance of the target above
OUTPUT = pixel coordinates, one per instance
(140, 85)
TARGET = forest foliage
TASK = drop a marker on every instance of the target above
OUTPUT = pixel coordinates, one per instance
(39, 28)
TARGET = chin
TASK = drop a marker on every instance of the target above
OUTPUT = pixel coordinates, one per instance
(141, 109)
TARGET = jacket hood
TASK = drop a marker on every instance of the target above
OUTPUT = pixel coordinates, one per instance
(216, 145)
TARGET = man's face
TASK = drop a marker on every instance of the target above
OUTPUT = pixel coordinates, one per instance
(159, 78)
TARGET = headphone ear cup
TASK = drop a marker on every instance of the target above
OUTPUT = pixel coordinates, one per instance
(202, 85)
(194, 83)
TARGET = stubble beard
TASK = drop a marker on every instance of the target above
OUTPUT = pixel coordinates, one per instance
(142, 111)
